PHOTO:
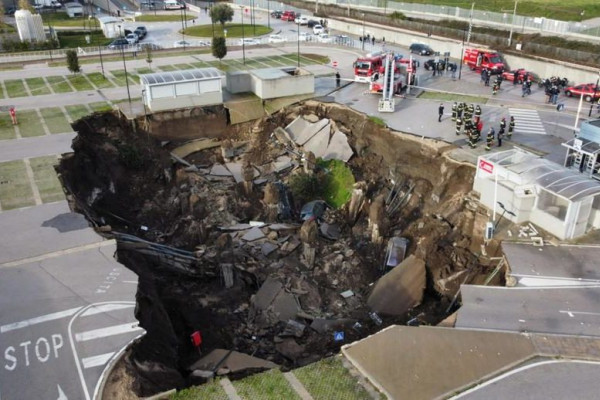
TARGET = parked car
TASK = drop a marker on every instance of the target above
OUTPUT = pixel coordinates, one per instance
(132, 38)
(318, 29)
(589, 91)
(249, 42)
(276, 14)
(510, 75)
(288, 16)
(55, 4)
(182, 43)
(277, 39)
(343, 40)
(301, 21)
(420, 48)
(325, 38)
(311, 23)
(429, 64)
(118, 44)
(141, 31)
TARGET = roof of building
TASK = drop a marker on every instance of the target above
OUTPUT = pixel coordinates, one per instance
(555, 178)
(161, 78)
(73, 5)
(109, 20)
(587, 146)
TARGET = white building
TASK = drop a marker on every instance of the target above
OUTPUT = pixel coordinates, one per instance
(272, 83)
(110, 26)
(559, 200)
(182, 89)
(30, 27)
(74, 9)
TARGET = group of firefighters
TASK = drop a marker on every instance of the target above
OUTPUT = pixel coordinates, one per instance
(469, 116)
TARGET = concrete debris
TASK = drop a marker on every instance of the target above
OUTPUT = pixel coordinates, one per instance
(268, 248)
(219, 170)
(237, 170)
(290, 349)
(399, 290)
(338, 148)
(285, 306)
(322, 325)
(293, 328)
(236, 227)
(253, 234)
(347, 293)
(266, 294)
(330, 231)
(234, 362)
(301, 131)
(318, 144)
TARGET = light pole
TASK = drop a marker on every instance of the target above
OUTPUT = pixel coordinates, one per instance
(594, 96)
(243, 37)
(363, 35)
(269, 13)
(298, 45)
(253, 18)
(504, 210)
(462, 54)
(182, 29)
(512, 23)
(125, 68)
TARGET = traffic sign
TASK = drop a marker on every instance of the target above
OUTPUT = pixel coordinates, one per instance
(335, 64)
(338, 336)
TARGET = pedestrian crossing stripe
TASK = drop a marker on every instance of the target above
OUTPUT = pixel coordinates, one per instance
(527, 121)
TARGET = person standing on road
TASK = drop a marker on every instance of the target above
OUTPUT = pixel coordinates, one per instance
(473, 138)
(458, 125)
(515, 77)
(478, 129)
(487, 78)
(373, 41)
(483, 75)
(477, 114)
(511, 126)
(440, 112)
(489, 140)
(338, 79)
(454, 107)
(459, 110)
(501, 135)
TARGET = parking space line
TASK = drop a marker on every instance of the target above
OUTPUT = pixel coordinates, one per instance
(96, 361)
(32, 184)
(108, 331)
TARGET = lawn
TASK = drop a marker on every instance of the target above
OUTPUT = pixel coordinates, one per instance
(200, 64)
(15, 88)
(37, 86)
(77, 112)
(59, 84)
(7, 131)
(270, 385)
(62, 19)
(164, 17)
(120, 77)
(56, 121)
(100, 81)
(79, 82)
(100, 106)
(338, 183)
(329, 380)
(144, 71)
(15, 189)
(233, 30)
(209, 391)
(184, 66)
(555, 9)
(30, 124)
(71, 41)
(167, 68)
(452, 97)
(1, 92)
(45, 178)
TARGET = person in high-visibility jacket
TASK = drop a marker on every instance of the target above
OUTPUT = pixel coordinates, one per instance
(454, 107)
(511, 127)
(458, 125)
(489, 140)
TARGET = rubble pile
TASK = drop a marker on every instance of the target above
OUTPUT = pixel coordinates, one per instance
(224, 250)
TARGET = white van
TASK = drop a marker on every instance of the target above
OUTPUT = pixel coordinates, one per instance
(173, 5)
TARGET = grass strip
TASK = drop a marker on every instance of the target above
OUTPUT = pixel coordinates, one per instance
(37, 86)
(209, 391)
(15, 189)
(430, 95)
(7, 131)
(77, 112)
(233, 30)
(45, 178)
(80, 83)
(59, 84)
(30, 124)
(15, 88)
(269, 385)
(100, 106)
(56, 121)
(100, 81)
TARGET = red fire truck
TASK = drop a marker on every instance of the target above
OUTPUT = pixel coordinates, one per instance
(399, 76)
(369, 67)
(478, 59)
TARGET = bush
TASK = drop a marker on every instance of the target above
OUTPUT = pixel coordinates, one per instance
(305, 187)
(73, 61)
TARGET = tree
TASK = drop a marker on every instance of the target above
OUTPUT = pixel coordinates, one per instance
(219, 48)
(25, 5)
(73, 61)
(221, 13)
(149, 55)
(2, 13)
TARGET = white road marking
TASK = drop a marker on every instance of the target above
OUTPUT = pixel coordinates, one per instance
(109, 331)
(527, 121)
(96, 361)
(134, 282)
(38, 320)
(572, 313)
(105, 308)
(58, 253)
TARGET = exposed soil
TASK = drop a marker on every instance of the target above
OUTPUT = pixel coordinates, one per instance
(126, 182)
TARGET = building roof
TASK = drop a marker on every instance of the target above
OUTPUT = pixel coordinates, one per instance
(587, 146)
(555, 178)
(161, 78)
(109, 20)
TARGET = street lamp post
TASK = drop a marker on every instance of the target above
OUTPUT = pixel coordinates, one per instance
(243, 37)
(269, 13)
(125, 68)
(182, 29)
(512, 23)
(462, 54)
(595, 94)
(253, 18)
(298, 45)
(363, 34)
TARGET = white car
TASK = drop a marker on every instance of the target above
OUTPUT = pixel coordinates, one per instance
(182, 43)
(132, 38)
(277, 39)
(305, 37)
(249, 42)
(301, 20)
(325, 38)
(318, 29)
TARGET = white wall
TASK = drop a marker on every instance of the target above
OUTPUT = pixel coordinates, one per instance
(282, 87)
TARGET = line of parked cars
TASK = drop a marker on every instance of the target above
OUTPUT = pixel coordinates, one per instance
(130, 38)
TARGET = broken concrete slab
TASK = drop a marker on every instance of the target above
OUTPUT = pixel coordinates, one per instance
(318, 143)
(400, 289)
(323, 325)
(285, 306)
(219, 170)
(195, 146)
(236, 170)
(266, 294)
(338, 148)
(234, 362)
(330, 231)
(253, 234)
(267, 248)
(293, 328)
(300, 130)
(289, 348)
(236, 227)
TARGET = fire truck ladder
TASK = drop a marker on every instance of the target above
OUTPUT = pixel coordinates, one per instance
(387, 102)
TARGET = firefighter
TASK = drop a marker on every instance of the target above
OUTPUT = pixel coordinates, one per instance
(454, 107)
(489, 139)
(495, 87)
(511, 126)
(459, 110)
(502, 124)
(473, 138)
(458, 125)
(469, 111)
(477, 114)
(501, 135)
(478, 129)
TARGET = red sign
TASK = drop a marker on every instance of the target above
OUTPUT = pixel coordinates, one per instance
(486, 166)
(335, 64)
(196, 338)
(409, 69)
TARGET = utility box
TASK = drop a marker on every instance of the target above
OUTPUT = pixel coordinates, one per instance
(489, 231)
(387, 105)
